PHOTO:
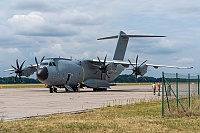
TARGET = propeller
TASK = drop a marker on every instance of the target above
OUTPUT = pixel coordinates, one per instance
(103, 67)
(40, 61)
(18, 70)
(136, 69)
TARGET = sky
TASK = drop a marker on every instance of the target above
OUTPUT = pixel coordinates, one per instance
(70, 29)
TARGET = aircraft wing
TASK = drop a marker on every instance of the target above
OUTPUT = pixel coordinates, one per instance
(126, 64)
(26, 71)
(113, 61)
(177, 67)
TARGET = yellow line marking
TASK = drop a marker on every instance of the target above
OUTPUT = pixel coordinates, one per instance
(83, 75)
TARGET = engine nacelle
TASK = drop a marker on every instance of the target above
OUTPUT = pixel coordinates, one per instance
(143, 69)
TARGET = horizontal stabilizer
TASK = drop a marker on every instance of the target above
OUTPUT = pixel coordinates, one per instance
(127, 36)
(110, 37)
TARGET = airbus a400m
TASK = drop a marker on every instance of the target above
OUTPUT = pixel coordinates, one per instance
(73, 73)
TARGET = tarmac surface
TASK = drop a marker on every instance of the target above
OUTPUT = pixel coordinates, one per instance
(16, 104)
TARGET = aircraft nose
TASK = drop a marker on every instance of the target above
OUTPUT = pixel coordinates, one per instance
(42, 73)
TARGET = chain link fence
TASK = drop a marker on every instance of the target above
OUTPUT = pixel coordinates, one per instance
(180, 94)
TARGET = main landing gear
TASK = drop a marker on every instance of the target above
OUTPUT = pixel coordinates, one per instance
(53, 89)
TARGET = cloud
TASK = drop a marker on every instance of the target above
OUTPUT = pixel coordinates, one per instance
(81, 18)
(9, 55)
(185, 60)
(34, 24)
(27, 23)
(32, 5)
(55, 50)
(70, 28)
(152, 46)
(66, 23)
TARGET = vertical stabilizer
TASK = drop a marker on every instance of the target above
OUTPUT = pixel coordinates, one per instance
(121, 46)
(122, 43)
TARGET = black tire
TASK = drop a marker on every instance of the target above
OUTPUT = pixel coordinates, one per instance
(55, 90)
(104, 89)
(95, 89)
(75, 89)
(51, 90)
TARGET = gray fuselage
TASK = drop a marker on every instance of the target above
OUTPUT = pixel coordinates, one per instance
(57, 71)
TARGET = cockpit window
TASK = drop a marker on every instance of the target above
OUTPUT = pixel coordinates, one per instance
(44, 64)
(52, 64)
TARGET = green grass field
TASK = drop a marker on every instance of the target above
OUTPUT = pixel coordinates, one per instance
(142, 117)
(8, 86)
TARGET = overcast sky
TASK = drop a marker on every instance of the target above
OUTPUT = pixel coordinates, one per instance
(70, 28)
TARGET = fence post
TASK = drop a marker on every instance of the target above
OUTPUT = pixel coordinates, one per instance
(198, 85)
(189, 90)
(163, 85)
(177, 90)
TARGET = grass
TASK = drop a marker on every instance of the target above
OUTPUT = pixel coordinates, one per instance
(11, 86)
(193, 110)
(140, 117)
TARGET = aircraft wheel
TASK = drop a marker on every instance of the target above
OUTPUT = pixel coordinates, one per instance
(95, 89)
(66, 89)
(55, 90)
(75, 89)
(51, 90)
(104, 89)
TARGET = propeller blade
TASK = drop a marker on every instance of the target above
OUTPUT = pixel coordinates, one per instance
(105, 60)
(36, 60)
(15, 78)
(12, 72)
(106, 65)
(131, 65)
(136, 60)
(17, 63)
(96, 71)
(13, 67)
(130, 62)
(42, 59)
(21, 65)
(143, 63)
(103, 67)
(136, 77)
(20, 79)
(107, 75)
(98, 59)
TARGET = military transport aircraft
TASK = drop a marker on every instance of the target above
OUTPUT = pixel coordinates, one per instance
(73, 73)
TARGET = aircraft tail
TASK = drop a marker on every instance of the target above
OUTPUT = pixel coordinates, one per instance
(122, 43)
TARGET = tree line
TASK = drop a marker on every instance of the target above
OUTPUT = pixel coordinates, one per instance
(120, 79)
(132, 79)
(10, 80)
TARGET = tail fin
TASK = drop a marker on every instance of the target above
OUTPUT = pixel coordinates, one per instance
(122, 43)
